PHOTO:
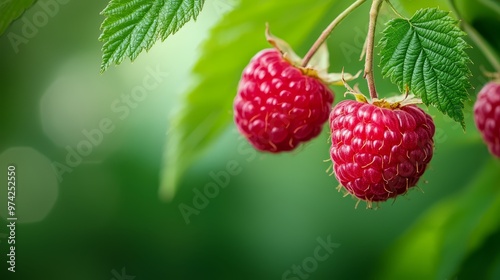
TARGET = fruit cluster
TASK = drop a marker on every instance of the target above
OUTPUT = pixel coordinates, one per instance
(379, 149)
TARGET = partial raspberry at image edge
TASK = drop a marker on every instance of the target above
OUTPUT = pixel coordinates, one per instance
(487, 116)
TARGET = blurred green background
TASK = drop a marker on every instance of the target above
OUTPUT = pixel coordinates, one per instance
(101, 216)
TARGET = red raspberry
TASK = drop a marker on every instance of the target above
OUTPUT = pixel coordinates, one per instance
(277, 105)
(379, 150)
(487, 116)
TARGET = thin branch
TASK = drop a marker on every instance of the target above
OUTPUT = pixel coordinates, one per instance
(394, 9)
(370, 45)
(324, 35)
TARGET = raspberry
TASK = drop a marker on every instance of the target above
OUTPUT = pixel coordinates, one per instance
(487, 116)
(379, 150)
(278, 106)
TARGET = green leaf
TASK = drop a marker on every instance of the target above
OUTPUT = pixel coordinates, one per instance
(207, 109)
(425, 54)
(449, 232)
(11, 10)
(132, 26)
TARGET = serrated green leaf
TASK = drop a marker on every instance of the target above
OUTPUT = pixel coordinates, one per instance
(11, 10)
(132, 26)
(207, 111)
(448, 232)
(426, 55)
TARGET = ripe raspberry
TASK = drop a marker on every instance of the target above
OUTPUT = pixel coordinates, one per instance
(487, 116)
(379, 150)
(278, 105)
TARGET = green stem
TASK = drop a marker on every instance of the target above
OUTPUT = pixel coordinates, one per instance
(370, 45)
(324, 35)
(394, 10)
(485, 48)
